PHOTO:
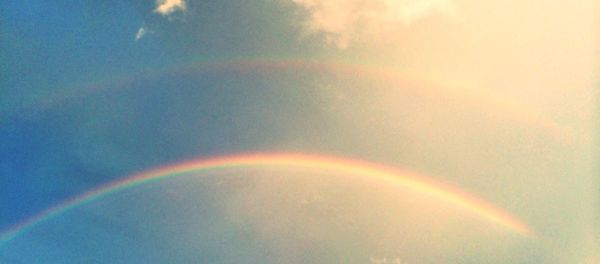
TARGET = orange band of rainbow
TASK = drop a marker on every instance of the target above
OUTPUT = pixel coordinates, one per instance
(402, 179)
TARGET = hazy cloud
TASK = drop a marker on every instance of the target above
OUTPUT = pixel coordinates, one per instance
(163, 8)
(141, 33)
(344, 21)
(167, 7)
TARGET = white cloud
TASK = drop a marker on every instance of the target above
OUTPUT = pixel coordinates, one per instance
(141, 33)
(164, 8)
(167, 7)
(344, 21)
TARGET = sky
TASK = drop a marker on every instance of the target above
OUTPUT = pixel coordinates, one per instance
(497, 99)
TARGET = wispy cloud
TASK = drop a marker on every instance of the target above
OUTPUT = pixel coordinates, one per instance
(141, 33)
(167, 7)
(344, 21)
(164, 8)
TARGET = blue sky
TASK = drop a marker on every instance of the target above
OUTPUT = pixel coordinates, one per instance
(57, 50)
(93, 92)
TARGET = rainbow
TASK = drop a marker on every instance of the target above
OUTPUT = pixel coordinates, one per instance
(393, 77)
(392, 176)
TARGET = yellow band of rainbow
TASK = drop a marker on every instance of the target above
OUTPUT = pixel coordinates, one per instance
(395, 78)
(399, 178)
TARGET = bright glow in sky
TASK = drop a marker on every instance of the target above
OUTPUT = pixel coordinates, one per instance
(497, 98)
(346, 21)
(166, 7)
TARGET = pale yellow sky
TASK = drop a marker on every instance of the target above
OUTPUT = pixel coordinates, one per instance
(538, 53)
(538, 57)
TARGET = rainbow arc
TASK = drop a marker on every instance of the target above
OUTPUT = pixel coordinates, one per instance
(401, 179)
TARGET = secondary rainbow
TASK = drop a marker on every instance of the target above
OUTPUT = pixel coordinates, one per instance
(399, 178)
(394, 77)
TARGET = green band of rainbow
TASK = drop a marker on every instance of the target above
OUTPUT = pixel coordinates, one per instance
(402, 179)
(394, 77)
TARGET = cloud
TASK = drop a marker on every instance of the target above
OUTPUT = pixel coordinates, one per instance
(141, 33)
(164, 8)
(344, 21)
(167, 7)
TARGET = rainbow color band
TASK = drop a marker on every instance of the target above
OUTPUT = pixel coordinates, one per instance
(396, 79)
(402, 179)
